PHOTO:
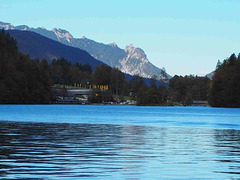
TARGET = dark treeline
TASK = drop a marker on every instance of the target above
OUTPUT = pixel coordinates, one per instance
(27, 81)
(22, 80)
(148, 95)
(225, 85)
(63, 72)
(186, 89)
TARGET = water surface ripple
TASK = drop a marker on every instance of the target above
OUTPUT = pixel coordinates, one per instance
(121, 149)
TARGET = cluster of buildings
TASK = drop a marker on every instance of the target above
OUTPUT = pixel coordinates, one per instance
(79, 96)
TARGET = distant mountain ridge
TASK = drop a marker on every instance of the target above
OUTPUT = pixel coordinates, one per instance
(130, 60)
(41, 47)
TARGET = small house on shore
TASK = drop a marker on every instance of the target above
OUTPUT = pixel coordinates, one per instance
(199, 103)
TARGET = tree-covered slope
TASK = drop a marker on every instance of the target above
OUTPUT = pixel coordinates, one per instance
(22, 80)
(225, 85)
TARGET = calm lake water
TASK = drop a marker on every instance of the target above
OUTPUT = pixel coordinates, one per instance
(118, 142)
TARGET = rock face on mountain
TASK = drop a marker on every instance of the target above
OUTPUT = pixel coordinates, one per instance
(130, 60)
(136, 62)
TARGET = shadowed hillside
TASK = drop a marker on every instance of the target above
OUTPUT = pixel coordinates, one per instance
(40, 47)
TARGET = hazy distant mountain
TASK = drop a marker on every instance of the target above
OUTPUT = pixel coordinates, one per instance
(40, 47)
(130, 60)
(210, 75)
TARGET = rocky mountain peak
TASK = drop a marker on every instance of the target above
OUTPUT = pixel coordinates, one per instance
(62, 34)
(136, 53)
(113, 44)
(130, 49)
(6, 26)
(22, 28)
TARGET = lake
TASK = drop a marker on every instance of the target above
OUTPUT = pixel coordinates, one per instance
(118, 142)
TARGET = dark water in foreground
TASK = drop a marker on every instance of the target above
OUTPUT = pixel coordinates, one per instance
(119, 142)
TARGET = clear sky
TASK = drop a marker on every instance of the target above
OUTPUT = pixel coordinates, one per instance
(184, 36)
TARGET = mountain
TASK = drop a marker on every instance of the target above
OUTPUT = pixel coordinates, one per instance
(40, 47)
(130, 60)
(210, 75)
(136, 62)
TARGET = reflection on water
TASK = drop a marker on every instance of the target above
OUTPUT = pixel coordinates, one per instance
(103, 151)
(228, 148)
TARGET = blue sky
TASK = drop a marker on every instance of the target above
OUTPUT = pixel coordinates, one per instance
(186, 37)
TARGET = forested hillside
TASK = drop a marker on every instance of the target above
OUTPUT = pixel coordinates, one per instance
(22, 80)
(189, 88)
(225, 85)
